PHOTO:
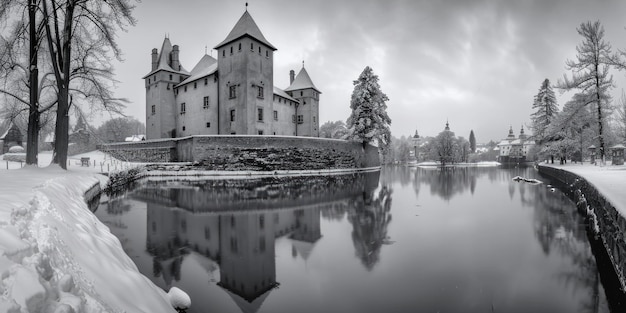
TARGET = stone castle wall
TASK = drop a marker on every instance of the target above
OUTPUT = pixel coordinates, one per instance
(251, 153)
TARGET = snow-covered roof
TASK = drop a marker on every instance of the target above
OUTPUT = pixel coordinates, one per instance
(245, 27)
(302, 81)
(205, 67)
(282, 93)
(6, 131)
(135, 138)
(504, 143)
(618, 146)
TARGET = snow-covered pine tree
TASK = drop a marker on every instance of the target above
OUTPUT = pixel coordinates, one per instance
(545, 107)
(369, 121)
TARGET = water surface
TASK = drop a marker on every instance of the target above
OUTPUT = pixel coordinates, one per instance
(400, 240)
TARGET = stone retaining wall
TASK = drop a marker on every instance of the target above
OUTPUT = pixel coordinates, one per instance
(250, 153)
(611, 225)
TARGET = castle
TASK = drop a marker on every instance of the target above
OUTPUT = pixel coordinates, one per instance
(231, 95)
(515, 150)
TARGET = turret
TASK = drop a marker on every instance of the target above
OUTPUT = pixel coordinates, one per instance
(511, 136)
(521, 133)
(155, 59)
(292, 75)
(175, 61)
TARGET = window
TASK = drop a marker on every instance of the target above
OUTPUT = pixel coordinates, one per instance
(208, 125)
(206, 81)
(148, 80)
(301, 93)
(293, 118)
(232, 92)
(267, 53)
(205, 103)
(276, 115)
(231, 50)
(183, 128)
(300, 119)
(180, 78)
(251, 46)
(195, 85)
(223, 52)
(185, 88)
(313, 119)
(153, 109)
(259, 114)
(170, 76)
(240, 46)
(260, 132)
(168, 86)
(232, 115)
(182, 108)
(260, 92)
(259, 50)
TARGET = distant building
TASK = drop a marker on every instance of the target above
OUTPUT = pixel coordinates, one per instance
(514, 150)
(10, 135)
(231, 95)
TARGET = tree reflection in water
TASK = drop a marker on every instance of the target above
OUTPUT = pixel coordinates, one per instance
(560, 229)
(370, 218)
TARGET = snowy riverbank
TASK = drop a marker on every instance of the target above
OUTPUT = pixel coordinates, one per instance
(55, 254)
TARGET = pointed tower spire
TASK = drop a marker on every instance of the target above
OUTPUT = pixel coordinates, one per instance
(511, 136)
(245, 27)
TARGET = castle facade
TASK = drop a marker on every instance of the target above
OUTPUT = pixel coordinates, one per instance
(231, 95)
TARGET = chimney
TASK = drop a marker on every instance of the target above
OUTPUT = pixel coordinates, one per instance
(292, 75)
(155, 59)
(175, 61)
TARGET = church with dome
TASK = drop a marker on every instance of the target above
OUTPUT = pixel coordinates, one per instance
(231, 95)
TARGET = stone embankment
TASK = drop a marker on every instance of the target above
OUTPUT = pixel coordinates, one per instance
(605, 221)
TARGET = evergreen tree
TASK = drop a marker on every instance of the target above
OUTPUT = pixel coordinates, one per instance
(545, 107)
(369, 121)
(472, 141)
(590, 74)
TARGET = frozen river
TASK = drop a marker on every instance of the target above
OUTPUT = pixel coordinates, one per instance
(399, 240)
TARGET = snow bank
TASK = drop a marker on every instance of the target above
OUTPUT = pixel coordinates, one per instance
(56, 256)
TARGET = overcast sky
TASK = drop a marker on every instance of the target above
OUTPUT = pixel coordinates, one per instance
(477, 64)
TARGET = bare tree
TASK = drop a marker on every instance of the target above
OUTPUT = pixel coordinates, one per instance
(26, 34)
(79, 35)
(590, 74)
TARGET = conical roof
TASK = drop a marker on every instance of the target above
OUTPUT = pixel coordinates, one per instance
(302, 81)
(164, 59)
(245, 27)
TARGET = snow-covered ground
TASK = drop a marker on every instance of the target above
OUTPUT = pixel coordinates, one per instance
(610, 180)
(55, 255)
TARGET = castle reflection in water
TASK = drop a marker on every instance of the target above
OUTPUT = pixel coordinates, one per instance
(235, 223)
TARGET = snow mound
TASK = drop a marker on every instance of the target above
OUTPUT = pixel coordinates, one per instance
(179, 299)
(56, 256)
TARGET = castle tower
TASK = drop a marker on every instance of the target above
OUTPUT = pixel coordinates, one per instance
(160, 98)
(307, 112)
(246, 80)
